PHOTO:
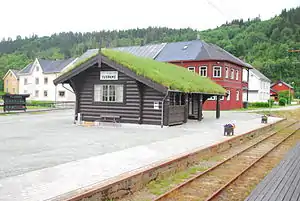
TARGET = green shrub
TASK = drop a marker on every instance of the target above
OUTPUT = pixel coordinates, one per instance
(259, 104)
(282, 101)
(287, 95)
(271, 102)
(40, 103)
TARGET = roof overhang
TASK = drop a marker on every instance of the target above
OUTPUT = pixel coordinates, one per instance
(8, 73)
(216, 60)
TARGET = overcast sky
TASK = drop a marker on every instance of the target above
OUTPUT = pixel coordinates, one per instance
(44, 17)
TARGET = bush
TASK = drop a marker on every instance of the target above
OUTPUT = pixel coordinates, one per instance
(282, 101)
(40, 103)
(259, 104)
(287, 95)
(271, 102)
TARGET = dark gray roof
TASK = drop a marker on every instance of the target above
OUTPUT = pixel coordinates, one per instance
(149, 51)
(49, 66)
(26, 69)
(196, 50)
(260, 75)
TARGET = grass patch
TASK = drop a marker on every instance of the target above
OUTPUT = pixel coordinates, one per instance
(160, 186)
(169, 75)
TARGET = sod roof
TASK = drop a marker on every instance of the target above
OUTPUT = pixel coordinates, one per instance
(169, 75)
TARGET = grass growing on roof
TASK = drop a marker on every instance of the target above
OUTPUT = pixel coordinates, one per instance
(169, 75)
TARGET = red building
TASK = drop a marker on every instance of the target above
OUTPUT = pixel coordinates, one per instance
(280, 86)
(213, 62)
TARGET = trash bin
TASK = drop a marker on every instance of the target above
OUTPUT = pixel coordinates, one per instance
(245, 104)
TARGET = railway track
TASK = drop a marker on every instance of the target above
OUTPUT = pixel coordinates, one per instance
(209, 184)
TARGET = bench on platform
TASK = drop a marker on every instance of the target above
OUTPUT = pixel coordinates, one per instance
(110, 118)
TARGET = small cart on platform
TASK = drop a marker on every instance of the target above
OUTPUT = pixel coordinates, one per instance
(14, 102)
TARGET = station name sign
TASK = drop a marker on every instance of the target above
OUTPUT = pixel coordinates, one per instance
(108, 75)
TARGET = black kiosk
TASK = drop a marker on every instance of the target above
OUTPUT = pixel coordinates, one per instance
(14, 102)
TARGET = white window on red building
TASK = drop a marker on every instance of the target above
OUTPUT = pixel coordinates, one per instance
(237, 75)
(191, 68)
(228, 97)
(217, 71)
(226, 72)
(232, 74)
(203, 71)
(237, 95)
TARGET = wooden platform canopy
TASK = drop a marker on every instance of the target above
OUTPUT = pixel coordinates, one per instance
(142, 90)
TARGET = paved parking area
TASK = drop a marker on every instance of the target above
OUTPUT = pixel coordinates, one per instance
(39, 152)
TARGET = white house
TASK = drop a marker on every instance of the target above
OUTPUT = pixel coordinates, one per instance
(37, 78)
(258, 86)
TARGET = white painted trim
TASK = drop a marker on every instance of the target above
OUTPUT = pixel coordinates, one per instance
(200, 70)
(191, 67)
(9, 70)
(213, 75)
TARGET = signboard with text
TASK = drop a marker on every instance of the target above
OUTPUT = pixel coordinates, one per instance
(108, 75)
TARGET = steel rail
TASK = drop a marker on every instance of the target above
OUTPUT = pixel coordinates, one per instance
(216, 193)
(176, 188)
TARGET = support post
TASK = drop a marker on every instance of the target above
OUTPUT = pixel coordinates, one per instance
(218, 107)
(186, 108)
(141, 101)
(247, 84)
(199, 101)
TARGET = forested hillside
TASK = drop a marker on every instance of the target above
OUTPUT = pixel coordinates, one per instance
(264, 44)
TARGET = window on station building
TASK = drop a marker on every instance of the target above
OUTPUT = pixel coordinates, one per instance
(191, 68)
(226, 72)
(108, 93)
(232, 74)
(177, 98)
(212, 98)
(203, 71)
(217, 71)
(228, 96)
(237, 75)
(237, 95)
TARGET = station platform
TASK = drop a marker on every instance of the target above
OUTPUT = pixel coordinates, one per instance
(283, 182)
(62, 159)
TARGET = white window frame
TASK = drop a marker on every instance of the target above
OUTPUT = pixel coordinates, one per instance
(214, 69)
(237, 95)
(191, 68)
(45, 92)
(232, 74)
(229, 94)
(226, 72)
(237, 74)
(200, 71)
(102, 91)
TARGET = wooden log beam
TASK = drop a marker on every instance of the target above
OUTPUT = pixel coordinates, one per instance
(218, 107)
